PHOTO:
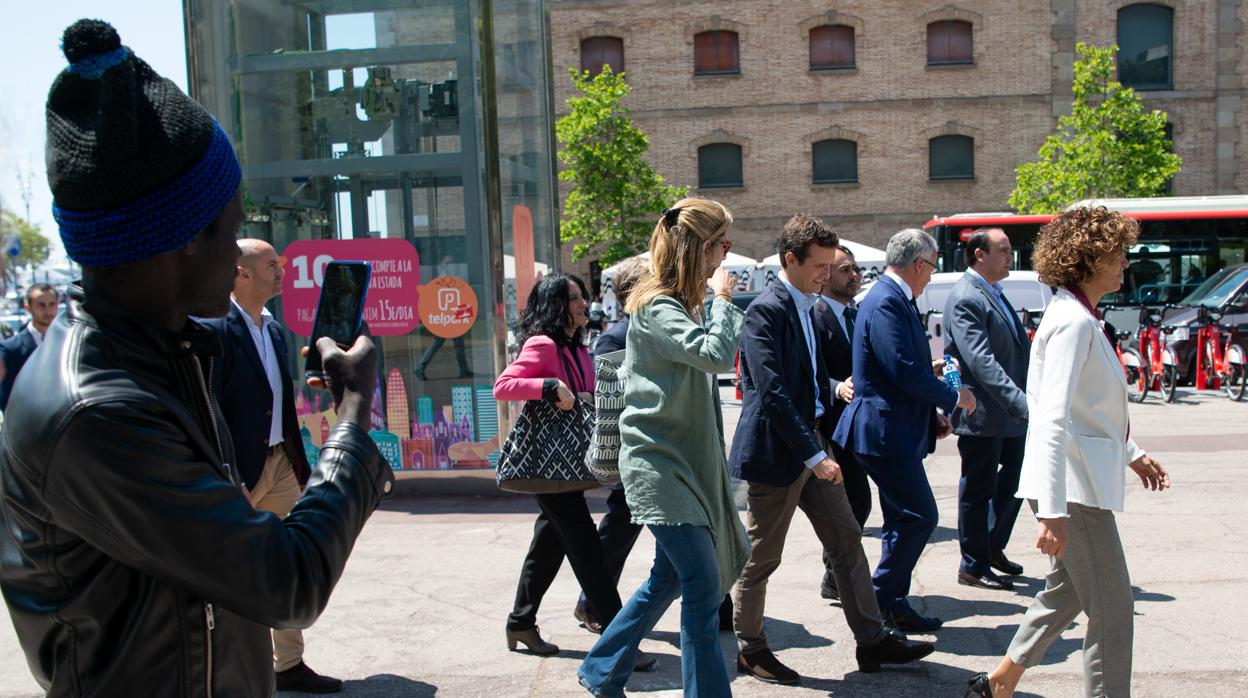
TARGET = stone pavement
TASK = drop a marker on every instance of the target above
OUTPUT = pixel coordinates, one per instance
(421, 608)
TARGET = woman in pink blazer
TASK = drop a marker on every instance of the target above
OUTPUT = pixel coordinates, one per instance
(554, 365)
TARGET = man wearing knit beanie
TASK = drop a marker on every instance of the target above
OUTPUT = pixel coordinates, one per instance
(130, 559)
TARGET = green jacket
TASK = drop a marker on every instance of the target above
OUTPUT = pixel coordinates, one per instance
(672, 431)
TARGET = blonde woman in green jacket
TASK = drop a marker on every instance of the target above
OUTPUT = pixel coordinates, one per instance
(672, 451)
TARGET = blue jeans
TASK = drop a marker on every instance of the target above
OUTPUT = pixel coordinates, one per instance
(685, 566)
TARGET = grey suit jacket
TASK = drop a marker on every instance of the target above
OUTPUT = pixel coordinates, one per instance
(993, 350)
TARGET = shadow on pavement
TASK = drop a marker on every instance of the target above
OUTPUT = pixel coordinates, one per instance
(949, 608)
(1140, 595)
(384, 685)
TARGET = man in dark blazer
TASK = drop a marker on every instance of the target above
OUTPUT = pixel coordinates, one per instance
(41, 303)
(781, 449)
(256, 396)
(892, 423)
(983, 333)
(835, 315)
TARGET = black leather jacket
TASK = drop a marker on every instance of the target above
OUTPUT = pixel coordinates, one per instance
(131, 562)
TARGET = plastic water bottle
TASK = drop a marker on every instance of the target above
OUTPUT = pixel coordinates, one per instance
(952, 378)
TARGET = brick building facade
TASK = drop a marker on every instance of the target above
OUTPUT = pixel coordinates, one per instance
(900, 91)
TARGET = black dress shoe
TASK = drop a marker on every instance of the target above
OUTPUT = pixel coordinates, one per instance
(586, 620)
(301, 678)
(725, 614)
(763, 665)
(978, 686)
(987, 580)
(908, 620)
(891, 650)
(1003, 564)
(828, 590)
(645, 661)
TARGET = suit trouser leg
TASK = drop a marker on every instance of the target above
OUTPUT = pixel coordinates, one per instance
(977, 488)
(1091, 577)
(277, 491)
(1005, 506)
(910, 517)
(857, 490)
(769, 511)
(569, 515)
(827, 507)
(537, 572)
(618, 534)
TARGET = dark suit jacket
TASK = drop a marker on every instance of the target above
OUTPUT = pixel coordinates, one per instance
(895, 393)
(837, 353)
(14, 351)
(243, 392)
(773, 437)
(613, 339)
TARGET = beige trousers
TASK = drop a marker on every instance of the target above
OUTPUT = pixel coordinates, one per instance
(276, 492)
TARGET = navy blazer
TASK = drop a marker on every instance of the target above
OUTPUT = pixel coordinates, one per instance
(837, 353)
(242, 390)
(773, 437)
(14, 351)
(613, 339)
(891, 415)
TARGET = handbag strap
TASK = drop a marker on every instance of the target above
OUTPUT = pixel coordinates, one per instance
(574, 376)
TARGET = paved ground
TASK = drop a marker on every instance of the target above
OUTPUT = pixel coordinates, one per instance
(420, 610)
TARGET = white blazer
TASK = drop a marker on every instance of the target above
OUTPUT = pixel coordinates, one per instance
(1077, 445)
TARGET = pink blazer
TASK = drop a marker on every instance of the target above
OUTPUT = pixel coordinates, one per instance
(539, 360)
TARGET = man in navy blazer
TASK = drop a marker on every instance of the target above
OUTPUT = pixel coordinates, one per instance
(41, 303)
(781, 448)
(256, 396)
(892, 423)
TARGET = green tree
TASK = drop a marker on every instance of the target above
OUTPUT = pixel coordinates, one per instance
(1108, 146)
(616, 196)
(34, 244)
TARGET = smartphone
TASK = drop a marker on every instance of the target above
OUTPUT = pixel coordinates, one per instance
(339, 310)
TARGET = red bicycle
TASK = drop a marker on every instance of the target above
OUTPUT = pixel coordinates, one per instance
(1218, 364)
(1152, 366)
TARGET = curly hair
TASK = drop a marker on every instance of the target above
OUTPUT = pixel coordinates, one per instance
(1069, 247)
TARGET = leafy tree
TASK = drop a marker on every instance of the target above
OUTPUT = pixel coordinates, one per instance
(33, 243)
(616, 196)
(1108, 146)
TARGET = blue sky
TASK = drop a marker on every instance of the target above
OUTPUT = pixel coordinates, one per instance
(32, 59)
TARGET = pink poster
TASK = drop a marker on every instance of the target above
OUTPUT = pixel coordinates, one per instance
(393, 294)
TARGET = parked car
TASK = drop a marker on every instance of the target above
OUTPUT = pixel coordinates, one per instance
(1226, 291)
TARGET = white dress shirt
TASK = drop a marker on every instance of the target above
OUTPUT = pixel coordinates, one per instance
(35, 333)
(805, 302)
(268, 357)
(905, 287)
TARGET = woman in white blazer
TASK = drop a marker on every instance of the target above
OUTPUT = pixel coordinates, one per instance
(1078, 448)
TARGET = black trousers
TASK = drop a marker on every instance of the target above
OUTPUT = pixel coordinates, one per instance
(857, 490)
(987, 507)
(618, 534)
(563, 528)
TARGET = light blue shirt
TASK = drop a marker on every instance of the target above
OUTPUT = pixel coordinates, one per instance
(805, 302)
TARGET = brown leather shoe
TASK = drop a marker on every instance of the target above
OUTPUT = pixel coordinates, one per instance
(531, 639)
(301, 678)
(763, 665)
(587, 621)
(987, 580)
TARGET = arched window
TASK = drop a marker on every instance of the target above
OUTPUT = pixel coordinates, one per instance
(834, 160)
(719, 165)
(598, 51)
(715, 53)
(1146, 47)
(949, 42)
(832, 47)
(951, 157)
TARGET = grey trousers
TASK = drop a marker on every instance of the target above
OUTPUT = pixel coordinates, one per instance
(1090, 578)
(770, 511)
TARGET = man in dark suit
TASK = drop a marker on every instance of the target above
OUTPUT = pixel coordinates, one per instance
(835, 314)
(41, 303)
(983, 333)
(256, 395)
(892, 422)
(781, 449)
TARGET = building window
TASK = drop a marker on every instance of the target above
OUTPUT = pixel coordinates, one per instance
(949, 42)
(832, 47)
(598, 51)
(1145, 47)
(715, 53)
(834, 160)
(719, 165)
(951, 157)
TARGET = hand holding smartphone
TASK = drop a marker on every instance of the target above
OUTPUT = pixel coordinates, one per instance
(339, 310)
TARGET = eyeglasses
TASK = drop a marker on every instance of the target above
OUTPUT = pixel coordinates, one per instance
(929, 263)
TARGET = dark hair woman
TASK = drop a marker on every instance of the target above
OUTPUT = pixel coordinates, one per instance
(554, 365)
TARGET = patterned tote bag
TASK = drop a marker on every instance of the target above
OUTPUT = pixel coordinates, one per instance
(603, 456)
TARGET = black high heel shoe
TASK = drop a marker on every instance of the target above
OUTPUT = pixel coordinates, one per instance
(978, 686)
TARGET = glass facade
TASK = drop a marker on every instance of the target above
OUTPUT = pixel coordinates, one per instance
(417, 135)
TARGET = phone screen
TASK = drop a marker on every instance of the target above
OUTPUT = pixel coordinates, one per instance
(340, 309)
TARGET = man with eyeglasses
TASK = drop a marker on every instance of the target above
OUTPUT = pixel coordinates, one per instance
(892, 422)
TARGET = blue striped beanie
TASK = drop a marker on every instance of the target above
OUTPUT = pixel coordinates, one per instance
(136, 167)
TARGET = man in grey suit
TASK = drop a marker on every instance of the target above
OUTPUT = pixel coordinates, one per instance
(983, 333)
